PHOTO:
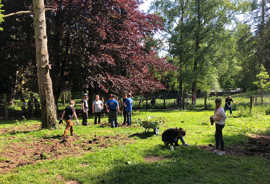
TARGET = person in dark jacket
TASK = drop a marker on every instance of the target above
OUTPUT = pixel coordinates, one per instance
(68, 115)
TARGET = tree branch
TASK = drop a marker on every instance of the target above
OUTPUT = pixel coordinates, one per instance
(25, 12)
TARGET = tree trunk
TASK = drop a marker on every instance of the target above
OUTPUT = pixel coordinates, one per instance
(196, 55)
(48, 110)
(205, 101)
(5, 102)
(181, 59)
(262, 94)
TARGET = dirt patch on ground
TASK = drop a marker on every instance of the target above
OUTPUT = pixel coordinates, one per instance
(152, 159)
(23, 153)
(20, 129)
(257, 145)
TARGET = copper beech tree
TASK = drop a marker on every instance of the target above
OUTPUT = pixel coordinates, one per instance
(103, 44)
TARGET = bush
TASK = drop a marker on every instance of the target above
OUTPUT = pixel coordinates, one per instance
(151, 123)
(267, 111)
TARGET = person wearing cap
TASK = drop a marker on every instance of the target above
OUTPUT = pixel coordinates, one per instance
(128, 108)
(84, 107)
(68, 115)
(112, 107)
(97, 107)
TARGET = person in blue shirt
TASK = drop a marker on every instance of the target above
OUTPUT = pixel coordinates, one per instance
(112, 107)
(128, 108)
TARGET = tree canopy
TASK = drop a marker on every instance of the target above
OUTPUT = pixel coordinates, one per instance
(102, 44)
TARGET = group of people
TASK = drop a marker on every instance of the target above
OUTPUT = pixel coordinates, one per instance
(112, 107)
(32, 107)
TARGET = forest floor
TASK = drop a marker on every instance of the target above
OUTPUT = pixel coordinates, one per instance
(98, 154)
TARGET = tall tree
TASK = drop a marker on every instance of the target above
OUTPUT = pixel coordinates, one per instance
(194, 28)
(48, 111)
(1, 15)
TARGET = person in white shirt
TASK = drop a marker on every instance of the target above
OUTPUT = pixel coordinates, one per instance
(97, 108)
(219, 119)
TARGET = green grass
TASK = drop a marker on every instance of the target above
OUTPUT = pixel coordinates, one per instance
(126, 163)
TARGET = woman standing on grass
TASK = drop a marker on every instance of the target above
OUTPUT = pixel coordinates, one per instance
(219, 118)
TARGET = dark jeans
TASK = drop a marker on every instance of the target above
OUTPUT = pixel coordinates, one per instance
(125, 117)
(228, 108)
(182, 140)
(97, 117)
(219, 137)
(85, 117)
(129, 118)
(113, 118)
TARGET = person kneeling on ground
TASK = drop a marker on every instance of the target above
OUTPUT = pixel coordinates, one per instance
(171, 136)
(67, 115)
(219, 119)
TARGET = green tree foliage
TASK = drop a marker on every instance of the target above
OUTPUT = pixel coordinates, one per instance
(263, 81)
(1, 14)
(196, 32)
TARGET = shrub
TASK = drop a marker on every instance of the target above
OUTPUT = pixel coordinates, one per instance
(151, 123)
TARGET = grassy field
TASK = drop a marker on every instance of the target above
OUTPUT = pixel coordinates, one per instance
(98, 154)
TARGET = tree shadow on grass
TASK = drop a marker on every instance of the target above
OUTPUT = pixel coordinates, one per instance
(54, 137)
(142, 135)
(184, 165)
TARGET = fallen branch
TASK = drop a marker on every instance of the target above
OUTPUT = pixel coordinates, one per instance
(25, 12)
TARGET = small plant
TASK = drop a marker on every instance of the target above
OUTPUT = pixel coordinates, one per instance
(267, 111)
(151, 123)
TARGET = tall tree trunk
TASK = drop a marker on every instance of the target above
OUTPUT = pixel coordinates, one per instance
(262, 94)
(196, 55)
(5, 102)
(181, 59)
(48, 110)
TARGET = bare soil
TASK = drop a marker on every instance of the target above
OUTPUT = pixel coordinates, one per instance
(257, 145)
(152, 159)
(24, 152)
(20, 129)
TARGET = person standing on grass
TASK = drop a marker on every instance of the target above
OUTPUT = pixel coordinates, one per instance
(84, 107)
(219, 119)
(68, 115)
(228, 104)
(97, 108)
(128, 108)
(124, 110)
(112, 107)
(24, 115)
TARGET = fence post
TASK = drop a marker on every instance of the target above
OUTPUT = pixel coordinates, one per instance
(251, 103)
(255, 98)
